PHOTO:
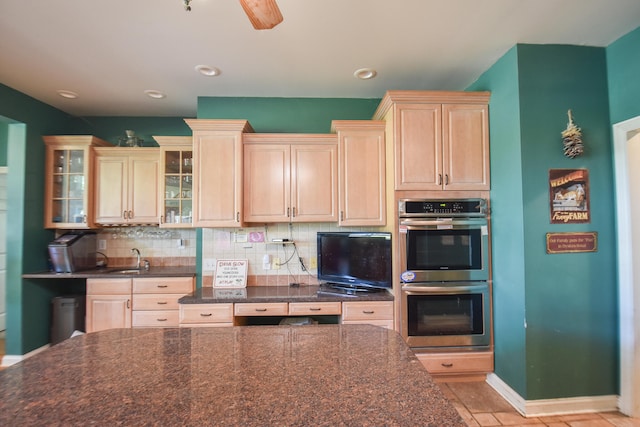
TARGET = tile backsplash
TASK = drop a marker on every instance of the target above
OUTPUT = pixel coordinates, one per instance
(162, 247)
(253, 243)
(177, 247)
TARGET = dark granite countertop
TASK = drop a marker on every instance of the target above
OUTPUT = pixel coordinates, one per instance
(115, 272)
(323, 375)
(264, 294)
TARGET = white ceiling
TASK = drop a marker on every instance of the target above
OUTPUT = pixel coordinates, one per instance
(111, 51)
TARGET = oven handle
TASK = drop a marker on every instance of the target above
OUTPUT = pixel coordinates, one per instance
(420, 290)
(446, 221)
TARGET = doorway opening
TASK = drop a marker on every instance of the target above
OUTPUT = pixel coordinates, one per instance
(626, 137)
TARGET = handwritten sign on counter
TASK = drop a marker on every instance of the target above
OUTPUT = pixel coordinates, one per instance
(231, 273)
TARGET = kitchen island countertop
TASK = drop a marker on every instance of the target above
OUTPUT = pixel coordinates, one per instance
(322, 375)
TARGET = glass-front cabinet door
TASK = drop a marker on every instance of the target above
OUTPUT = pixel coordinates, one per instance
(177, 181)
(68, 178)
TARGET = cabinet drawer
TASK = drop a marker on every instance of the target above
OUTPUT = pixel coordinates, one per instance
(266, 309)
(155, 318)
(317, 308)
(367, 310)
(156, 302)
(163, 285)
(108, 286)
(452, 363)
(206, 313)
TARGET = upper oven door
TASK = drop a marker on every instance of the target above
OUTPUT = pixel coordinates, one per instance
(444, 249)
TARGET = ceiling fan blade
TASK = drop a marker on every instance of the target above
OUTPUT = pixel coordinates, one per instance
(263, 14)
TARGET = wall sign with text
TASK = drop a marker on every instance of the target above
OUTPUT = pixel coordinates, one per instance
(561, 243)
(231, 273)
(569, 196)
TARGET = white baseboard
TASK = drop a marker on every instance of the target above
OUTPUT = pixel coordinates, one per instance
(546, 407)
(8, 360)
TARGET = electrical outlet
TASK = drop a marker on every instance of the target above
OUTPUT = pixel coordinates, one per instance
(276, 263)
(208, 264)
(313, 262)
(102, 245)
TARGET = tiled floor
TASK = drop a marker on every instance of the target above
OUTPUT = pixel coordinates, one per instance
(481, 405)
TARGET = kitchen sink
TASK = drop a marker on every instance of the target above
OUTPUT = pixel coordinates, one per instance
(125, 271)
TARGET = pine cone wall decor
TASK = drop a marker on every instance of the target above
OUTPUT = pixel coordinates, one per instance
(572, 139)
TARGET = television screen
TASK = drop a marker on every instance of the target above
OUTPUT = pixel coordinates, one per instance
(355, 259)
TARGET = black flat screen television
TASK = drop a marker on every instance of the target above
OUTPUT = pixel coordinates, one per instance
(355, 260)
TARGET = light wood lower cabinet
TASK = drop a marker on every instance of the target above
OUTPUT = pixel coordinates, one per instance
(108, 304)
(139, 302)
(379, 313)
(461, 366)
(155, 300)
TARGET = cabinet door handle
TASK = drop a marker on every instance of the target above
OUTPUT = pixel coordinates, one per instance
(84, 219)
(315, 309)
(128, 303)
(206, 314)
(288, 212)
(439, 179)
(237, 216)
(161, 320)
(162, 286)
(162, 302)
(161, 219)
(368, 311)
(446, 179)
(294, 212)
(124, 215)
(261, 309)
(130, 214)
(341, 215)
(447, 365)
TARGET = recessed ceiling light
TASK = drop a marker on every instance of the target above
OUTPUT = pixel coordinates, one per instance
(207, 70)
(155, 94)
(67, 94)
(365, 73)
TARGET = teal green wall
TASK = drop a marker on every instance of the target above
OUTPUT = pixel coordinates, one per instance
(24, 120)
(507, 220)
(623, 67)
(570, 306)
(287, 115)
(111, 129)
(4, 130)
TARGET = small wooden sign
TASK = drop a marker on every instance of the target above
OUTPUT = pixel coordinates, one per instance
(560, 243)
(231, 273)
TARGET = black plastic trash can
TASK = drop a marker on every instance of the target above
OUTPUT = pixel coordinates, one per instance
(67, 316)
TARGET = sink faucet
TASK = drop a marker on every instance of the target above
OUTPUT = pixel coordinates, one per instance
(137, 252)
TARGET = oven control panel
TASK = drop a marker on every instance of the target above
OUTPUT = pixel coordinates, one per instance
(431, 208)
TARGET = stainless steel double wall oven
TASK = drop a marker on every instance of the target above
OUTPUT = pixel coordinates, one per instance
(444, 256)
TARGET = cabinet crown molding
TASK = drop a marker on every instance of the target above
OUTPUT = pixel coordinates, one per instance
(337, 125)
(79, 140)
(219, 125)
(428, 97)
(174, 140)
(290, 138)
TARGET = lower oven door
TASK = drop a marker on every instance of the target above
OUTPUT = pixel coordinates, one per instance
(446, 314)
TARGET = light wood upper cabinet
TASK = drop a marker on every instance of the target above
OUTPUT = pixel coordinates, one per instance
(290, 178)
(217, 172)
(127, 185)
(441, 139)
(69, 181)
(361, 181)
(175, 189)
